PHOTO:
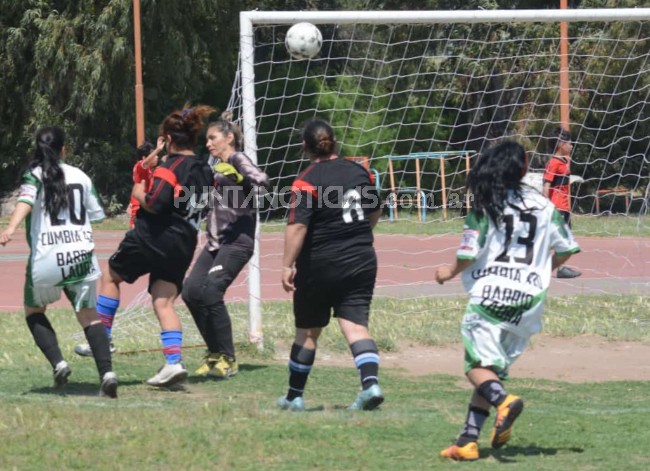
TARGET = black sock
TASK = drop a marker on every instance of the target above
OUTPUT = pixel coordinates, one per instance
(100, 345)
(366, 358)
(300, 362)
(473, 425)
(493, 392)
(45, 337)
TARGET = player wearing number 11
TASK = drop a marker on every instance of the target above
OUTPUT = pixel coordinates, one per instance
(330, 263)
(512, 239)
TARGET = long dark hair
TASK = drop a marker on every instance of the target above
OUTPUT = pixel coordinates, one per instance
(49, 143)
(497, 171)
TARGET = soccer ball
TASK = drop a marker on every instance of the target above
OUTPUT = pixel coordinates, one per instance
(303, 41)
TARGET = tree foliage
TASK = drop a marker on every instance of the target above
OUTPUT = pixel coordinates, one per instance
(71, 63)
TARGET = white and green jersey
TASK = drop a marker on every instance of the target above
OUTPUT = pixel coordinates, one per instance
(512, 265)
(61, 246)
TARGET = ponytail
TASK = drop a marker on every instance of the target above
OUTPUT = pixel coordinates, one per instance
(49, 144)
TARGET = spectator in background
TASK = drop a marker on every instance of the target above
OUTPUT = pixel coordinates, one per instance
(61, 203)
(148, 156)
(557, 183)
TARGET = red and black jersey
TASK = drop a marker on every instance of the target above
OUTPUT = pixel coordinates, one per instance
(558, 173)
(334, 199)
(178, 200)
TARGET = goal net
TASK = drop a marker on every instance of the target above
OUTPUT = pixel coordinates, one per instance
(417, 95)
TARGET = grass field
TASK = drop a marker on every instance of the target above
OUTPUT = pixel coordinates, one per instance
(235, 425)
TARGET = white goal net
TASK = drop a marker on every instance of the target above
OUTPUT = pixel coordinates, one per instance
(417, 95)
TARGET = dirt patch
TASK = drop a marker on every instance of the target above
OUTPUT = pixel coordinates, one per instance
(574, 360)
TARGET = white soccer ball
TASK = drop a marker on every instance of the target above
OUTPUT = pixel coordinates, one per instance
(303, 41)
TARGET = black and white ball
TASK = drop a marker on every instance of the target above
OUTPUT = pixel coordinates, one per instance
(303, 41)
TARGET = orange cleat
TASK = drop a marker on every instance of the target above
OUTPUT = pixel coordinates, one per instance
(469, 452)
(507, 413)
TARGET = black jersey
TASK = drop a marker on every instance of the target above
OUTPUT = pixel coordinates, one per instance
(178, 199)
(334, 199)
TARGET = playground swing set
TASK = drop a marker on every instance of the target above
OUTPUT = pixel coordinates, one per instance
(420, 194)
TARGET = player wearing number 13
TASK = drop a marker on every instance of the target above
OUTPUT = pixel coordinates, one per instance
(330, 264)
(59, 203)
(512, 239)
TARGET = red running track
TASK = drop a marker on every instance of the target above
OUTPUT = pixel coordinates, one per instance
(406, 268)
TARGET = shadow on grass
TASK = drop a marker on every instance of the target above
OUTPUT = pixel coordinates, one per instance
(510, 453)
(245, 368)
(74, 388)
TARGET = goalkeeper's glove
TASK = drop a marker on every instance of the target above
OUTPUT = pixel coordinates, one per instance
(229, 171)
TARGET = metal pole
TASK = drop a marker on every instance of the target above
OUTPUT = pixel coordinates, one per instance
(139, 95)
(255, 334)
(564, 70)
(564, 79)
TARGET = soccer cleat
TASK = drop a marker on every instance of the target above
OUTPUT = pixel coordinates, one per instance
(209, 361)
(224, 367)
(507, 413)
(566, 272)
(368, 399)
(297, 404)
(61, 373)
(468, 452)
(168, 375)
(108, 388)
(84, 350)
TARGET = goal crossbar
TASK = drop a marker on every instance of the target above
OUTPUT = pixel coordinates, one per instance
(444, 16)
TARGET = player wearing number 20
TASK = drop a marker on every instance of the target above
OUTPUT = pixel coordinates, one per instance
(512, 239)
(330, 263)
(61, 203)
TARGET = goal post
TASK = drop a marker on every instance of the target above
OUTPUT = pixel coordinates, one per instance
(403, 82)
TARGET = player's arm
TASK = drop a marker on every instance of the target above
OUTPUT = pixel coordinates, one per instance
(374, 218)
(21, 211)
(549, 174)
(251, 173)
(152, 159)
(93, 205)
(300, 213)
(294, 238)
(473, 242)
(447, 272)
(139, 193)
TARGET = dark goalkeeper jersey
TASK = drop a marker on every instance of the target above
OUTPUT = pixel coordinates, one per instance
(334, 199)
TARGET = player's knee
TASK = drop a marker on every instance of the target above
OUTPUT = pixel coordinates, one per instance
(191, 293)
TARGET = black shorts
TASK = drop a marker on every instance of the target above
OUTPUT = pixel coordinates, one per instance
(324, 286)
(134, 259)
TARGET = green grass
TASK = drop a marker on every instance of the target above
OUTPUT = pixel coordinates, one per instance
(234, 424)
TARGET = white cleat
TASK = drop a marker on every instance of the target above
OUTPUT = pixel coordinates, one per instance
(168, 375)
